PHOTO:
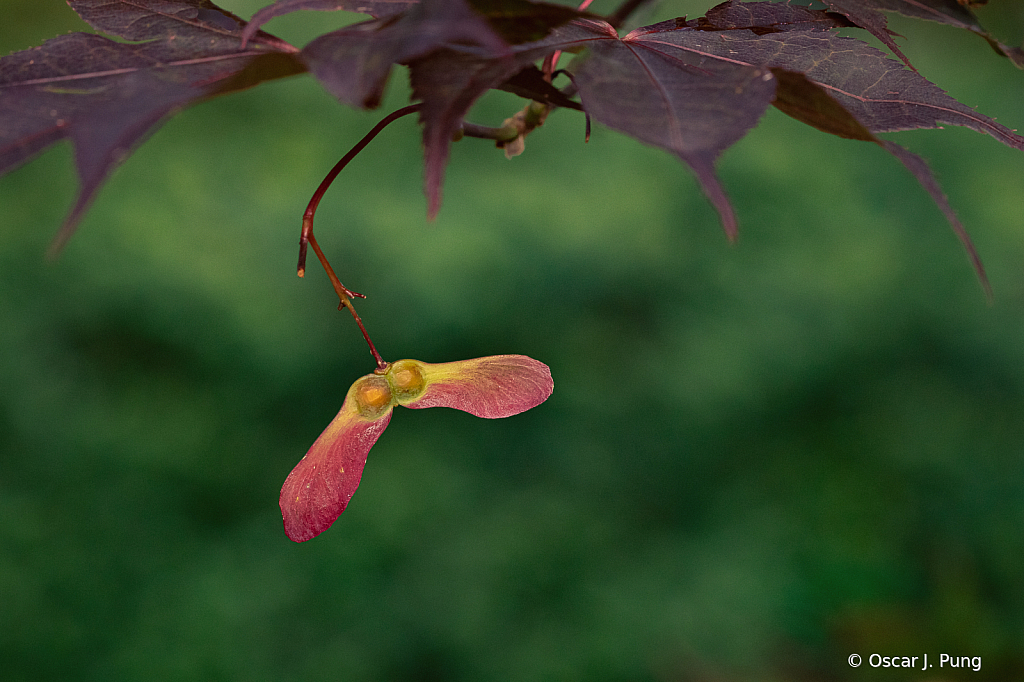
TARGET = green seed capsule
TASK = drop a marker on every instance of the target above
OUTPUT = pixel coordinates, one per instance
(372, 395)
(406, 379)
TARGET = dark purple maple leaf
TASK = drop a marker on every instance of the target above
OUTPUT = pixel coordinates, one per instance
(691, 87)
(954, 13)
(865, 14)
(107, 96)
(653, 86)
(694, 88)
(517, 21)
(868, 15)
(353, 63)
(448, 83)
(877, 91)
(375, 8)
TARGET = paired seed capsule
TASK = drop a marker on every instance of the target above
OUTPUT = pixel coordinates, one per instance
(403, 382)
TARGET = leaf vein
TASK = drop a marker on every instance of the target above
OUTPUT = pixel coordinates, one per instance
(134, 69)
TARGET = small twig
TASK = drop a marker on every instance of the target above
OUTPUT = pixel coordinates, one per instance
(503, 134)
(344, 295)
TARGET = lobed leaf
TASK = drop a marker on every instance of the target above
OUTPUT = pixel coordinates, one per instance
(448, 83)
(671, 85)
(691, 87)
(862, 13)
(868, 15)
(320, 486)
(107, 96)
(878, 91)
(491, 387)
(810, 103)
(456, 50)
(375, 8)
(152, 19)
(661, 84)
(353, 63)
(658, 85)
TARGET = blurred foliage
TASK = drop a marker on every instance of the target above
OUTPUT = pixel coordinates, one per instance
(758, 459)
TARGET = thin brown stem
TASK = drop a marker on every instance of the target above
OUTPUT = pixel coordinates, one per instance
(345, 295)
(504, 134)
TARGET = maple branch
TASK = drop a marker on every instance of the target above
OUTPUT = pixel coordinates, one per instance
(512, 134)
(502, 134)
(345, 295)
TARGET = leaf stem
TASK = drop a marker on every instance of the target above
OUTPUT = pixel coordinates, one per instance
(345, 295)
(549, 67)
(551, 61)
(616, 19)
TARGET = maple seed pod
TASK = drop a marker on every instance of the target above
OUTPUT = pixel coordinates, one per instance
(406, 379)
(321, 485)
(373, 396)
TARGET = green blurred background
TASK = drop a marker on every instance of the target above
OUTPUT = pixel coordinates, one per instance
(758, 459)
